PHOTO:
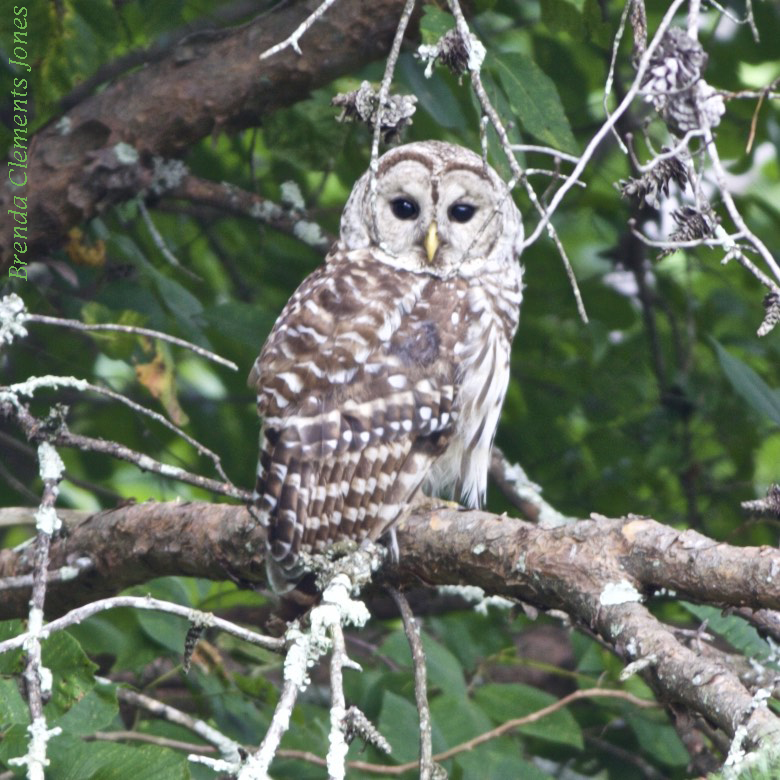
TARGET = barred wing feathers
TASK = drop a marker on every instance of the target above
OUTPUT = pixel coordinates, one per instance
(356, 386)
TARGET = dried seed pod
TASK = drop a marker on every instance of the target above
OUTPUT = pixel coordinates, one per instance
(362, 104)
(674, 84)
(657, 180)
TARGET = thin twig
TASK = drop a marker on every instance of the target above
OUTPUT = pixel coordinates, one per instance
(557, 153)
(259, 762)
(606, 127)
(499, 731)
(159, 241)
(523, 493)
(37, 679)
(40, 430)
(384, 91)
(80, 614)
(731, 207)
(517, 172)
(611, 73)
(747, 19)
(337, 750)
(63, 574)
(412, 632)
(713, 243)
(293, 39)
(131, 329)
(29, 387)
(152, 739)
(228, 748)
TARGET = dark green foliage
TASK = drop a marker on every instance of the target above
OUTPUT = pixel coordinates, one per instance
(670, 411)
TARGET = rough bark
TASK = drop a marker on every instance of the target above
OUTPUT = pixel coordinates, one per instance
(207, 84)
(571, 568)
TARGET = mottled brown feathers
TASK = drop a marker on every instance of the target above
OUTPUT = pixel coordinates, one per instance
(387, 370)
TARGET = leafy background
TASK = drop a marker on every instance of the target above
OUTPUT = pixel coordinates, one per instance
(589, 413)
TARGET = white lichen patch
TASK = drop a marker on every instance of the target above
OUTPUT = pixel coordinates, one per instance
(50, 465)
(12, 316)
(472, 593)
(493, 601)
(266, 211)
(125, 154)
(622, 592)
(291, 195)
(477, 53)
(167, 174)
(46, 520)
(309, 232)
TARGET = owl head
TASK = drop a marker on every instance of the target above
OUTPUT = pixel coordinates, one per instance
(439, 209)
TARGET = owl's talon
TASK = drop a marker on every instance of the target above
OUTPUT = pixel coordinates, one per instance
(432, 503)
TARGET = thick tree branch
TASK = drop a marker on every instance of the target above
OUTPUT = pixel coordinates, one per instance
(555, 568)
(597, 571)
(200, 88)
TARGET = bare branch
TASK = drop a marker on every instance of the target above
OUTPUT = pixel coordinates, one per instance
(517, 172)
(234, 200)
(607, 126)
(43, 430)
(731, 207)
(523, 493)
(292, 40)
(159, 241)
(229, 749)
(131, 329)
(36, 676)
(506, 727)
(29, 388)
(76, 616)
(384, 91)
(412, 631)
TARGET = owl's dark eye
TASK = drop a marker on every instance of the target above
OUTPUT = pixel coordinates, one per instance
(404, 208)
(461, 212)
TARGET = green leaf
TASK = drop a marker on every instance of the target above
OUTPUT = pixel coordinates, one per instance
(459, 718)
(14, 742)
(13, 708)
(564, 16)
(434, 24)
(72, 759)
(95, 711)
(11, 662)
(599, 31)
(444, 669)
(117, 633)
(73, 673)
(497, 760)
(399, 723)
(534, 99)
(736, 631)
(658, 740)
(167, 630)
(239, 321)
(435, 95)
(514, 700)
(749, 384)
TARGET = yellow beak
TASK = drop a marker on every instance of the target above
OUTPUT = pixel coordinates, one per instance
(431, 242)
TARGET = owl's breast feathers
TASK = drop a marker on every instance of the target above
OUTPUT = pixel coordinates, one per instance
(360, 386)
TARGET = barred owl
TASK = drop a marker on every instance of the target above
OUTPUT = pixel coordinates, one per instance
(387, 369)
